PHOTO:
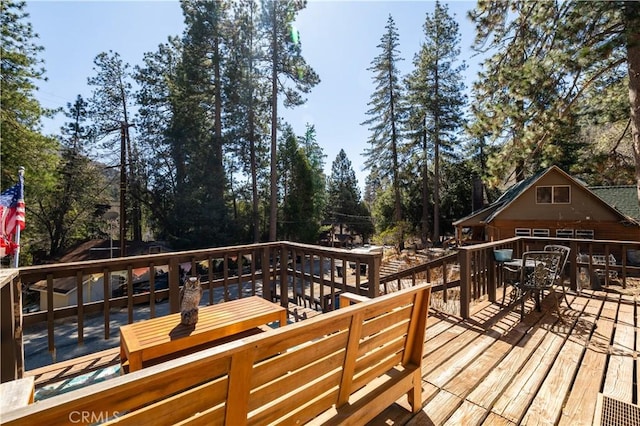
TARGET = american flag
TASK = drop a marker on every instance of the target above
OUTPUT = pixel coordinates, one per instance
(11, 216)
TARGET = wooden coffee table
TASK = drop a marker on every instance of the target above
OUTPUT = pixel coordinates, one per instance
(155, 338)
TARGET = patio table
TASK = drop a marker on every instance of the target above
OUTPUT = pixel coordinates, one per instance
(152, 339)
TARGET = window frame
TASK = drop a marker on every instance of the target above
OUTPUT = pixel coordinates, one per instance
(551, 193)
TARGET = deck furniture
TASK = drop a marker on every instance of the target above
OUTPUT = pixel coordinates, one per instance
(564, 253)
(500, 256)
(538, 273)
(155, 338)
(343, 367)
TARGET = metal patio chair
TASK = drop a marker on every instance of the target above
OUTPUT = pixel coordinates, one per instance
(539, 272)
(565, 252)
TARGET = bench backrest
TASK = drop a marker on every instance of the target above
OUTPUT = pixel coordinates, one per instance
(290, 374)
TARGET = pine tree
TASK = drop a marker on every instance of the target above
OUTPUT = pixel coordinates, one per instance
(109, 107)
(290, 76)
(296, 183)
(435, 91)
(546, 57)
(345, 206)
(21, 143)
(196, 128)
(387, 117)
(342, 190)
(247, 108)
(163, 163)
(315, 156)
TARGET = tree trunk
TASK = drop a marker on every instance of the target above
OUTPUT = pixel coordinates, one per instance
(425, 188)
(436, 158)
(252, 146)
(632, 26)
(273, 210)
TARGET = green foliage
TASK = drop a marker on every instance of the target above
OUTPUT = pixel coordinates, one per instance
(435, 92)
(300, 216)
(345, 206)
(551, 66)
(290, 76)
(21, 143)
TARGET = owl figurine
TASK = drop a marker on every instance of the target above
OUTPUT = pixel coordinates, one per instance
(189, 300)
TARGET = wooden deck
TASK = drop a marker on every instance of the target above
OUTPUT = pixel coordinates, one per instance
(494, 369)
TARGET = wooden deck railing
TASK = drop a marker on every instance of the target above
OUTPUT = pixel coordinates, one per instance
(284, 270)
(478, 269)
(271, 270)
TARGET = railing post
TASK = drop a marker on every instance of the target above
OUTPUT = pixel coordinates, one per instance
(573, 266)
(284, 277)
(373, 271)
(11, 354)
(464, 259)
(268, 288)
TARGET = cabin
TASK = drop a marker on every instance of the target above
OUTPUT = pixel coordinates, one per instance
(554, 204)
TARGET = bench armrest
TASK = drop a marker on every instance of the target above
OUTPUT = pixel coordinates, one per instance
(347, 299)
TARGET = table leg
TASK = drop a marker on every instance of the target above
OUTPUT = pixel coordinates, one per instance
(283, 318)
(135, 362)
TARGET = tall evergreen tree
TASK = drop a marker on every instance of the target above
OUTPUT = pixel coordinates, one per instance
(315, 156)
(21, 143)
(296, 181)
(196, 129)
(387, 116)
(546, 55)
(435, 91)
(162, 150)
(342, 191)
(247, 105)
(290, 76)
(345, 206)
(109, 107)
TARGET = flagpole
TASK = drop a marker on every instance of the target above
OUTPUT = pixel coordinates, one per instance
(16, 256)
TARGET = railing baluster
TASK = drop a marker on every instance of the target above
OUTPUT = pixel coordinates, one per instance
(80, 304)
(129, 293)
(210, 278)
(106, 280)
(152, 291)
(50, 318)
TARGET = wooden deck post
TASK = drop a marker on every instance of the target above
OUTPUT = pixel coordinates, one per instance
(11, 353)
(373, 272)
(464, 259)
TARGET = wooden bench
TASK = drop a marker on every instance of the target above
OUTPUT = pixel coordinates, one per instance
(343, 367)
(158, 337)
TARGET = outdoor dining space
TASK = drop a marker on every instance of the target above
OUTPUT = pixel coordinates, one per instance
(493, 361)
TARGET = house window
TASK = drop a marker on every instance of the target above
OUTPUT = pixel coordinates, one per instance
(585, 233)
(558, 194)
(540, 232)
(523, 232)
(564, 233)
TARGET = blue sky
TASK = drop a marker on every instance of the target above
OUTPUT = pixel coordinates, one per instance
(339, 40)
